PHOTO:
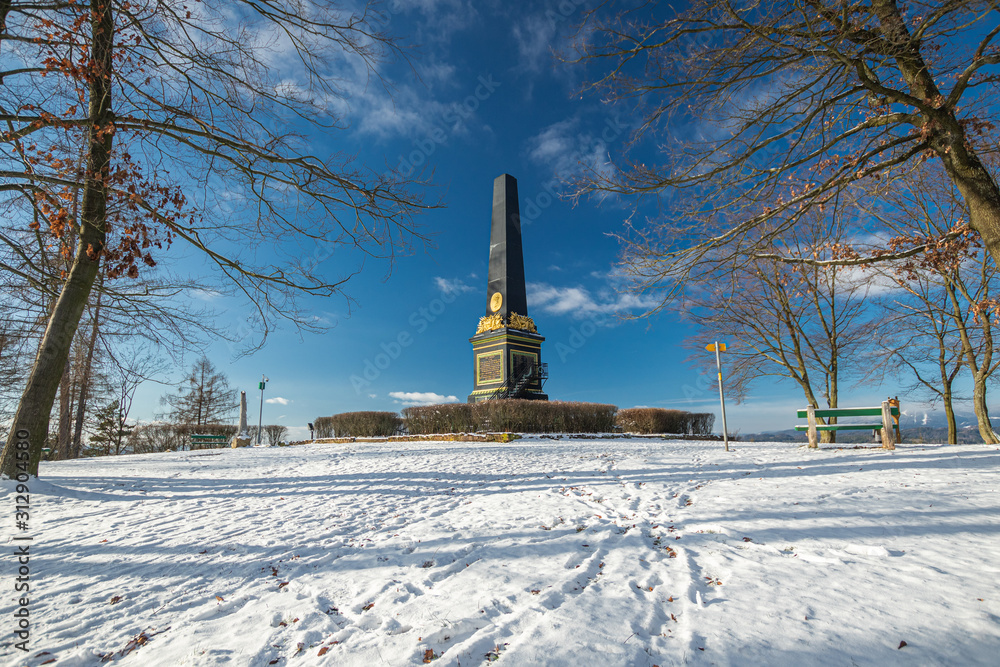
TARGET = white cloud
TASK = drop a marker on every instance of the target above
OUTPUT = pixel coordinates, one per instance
(421, 398)
(434, 71)
(440, 18)
(205, 294)
(580, 303)
(279, 400)
(555, 145)
(456, 286)
(869, 283)
(535, 36)
(567, 148)
(383, 105)
(372, 395)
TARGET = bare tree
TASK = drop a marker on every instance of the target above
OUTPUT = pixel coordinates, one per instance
(204, 398)
(919, 341)
(275, 434)
(180, 110)
(764, 111)
(805, 323)
(151, 438)
(974, 313)
(951, 310)
(129, 368)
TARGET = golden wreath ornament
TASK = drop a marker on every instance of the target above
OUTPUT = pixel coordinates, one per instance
(496, 322)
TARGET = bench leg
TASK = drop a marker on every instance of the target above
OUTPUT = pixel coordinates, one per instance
(813, 440)
(888, 433)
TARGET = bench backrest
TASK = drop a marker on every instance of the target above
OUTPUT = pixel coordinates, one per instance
(849, 412)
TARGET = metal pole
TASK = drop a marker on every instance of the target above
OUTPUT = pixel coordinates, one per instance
(260, 415)
(722, 397)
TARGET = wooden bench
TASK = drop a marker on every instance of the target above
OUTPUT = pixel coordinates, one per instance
(208, 441)
(887, 426)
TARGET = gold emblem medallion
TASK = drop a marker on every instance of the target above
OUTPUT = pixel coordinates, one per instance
(496, 301)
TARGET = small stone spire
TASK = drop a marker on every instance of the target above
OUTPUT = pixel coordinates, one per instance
(242, 437)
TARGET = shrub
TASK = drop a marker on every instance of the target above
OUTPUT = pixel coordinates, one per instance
(323, 427)
(660, 420)
(700, 423)
(516, 415)
(446, 418)
(367, 424)
(275, 433)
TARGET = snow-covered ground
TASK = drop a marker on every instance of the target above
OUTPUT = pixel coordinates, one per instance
(537, 552)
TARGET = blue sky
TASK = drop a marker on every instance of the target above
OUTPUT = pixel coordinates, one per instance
(489, 100)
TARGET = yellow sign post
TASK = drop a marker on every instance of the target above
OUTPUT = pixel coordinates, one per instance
(721, 347)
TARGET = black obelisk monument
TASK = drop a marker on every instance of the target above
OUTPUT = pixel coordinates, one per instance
(506, 350)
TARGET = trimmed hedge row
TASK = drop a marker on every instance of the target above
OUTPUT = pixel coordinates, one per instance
(660, 420)
(515, 415)
(446, 418)
(367, 424)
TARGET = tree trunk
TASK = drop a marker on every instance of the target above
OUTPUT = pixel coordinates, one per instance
(982, 411)
(981, 195)
(949, 413)
(65, 416)
(830, 437)
(81, 406)
(31, 421)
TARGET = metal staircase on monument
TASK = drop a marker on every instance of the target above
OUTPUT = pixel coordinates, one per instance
(514, 386)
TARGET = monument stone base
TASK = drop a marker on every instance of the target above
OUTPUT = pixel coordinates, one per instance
(499, 354)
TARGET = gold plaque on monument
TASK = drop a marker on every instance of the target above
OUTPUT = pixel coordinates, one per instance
(496, 301)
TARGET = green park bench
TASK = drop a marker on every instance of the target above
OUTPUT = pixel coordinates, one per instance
(887, 426)
(208, 441)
